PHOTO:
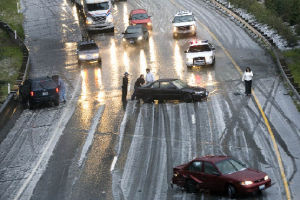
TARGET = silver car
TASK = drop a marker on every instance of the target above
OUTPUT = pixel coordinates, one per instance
(88, 51)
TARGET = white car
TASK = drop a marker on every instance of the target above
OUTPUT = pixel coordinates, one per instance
(200, 52)
(184, 23)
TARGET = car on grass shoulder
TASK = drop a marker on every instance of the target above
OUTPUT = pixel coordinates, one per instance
(170, 89)
(200, 52)
(135, 34)
(140, 16)
(88, 51)
(219, 174)
(184, 23)
(38, 91)
(98, 15)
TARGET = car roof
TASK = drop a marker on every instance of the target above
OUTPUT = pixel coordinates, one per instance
(167, 79)
(198, 42)
(138, 11)
(42, 78)
(95, 1)
(211, 158)
(183, 13)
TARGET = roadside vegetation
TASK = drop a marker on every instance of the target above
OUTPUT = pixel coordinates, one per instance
(11, 55)
(293, 62)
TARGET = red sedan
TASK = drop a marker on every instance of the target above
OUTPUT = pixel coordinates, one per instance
(219, 174)
(140, 16)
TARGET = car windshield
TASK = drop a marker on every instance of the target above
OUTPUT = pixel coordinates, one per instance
(98, 6)
(199, 48)
(139, 16)
(43, 84)
(230, 166)
(90, 46)
(133, 29)
(180, 84)
(185, 18)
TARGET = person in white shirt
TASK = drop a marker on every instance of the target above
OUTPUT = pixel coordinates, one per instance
(149, 77)
(247, 77)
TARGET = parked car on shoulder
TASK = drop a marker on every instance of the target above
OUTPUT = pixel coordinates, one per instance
(200, 52)
(140, 16)
(220, 174)
(37, 91)
(88, 51)
(135, 34)
(170, 89)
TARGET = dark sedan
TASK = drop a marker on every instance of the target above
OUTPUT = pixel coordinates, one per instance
(38, 91)
(171, 89)
(135, 34)
(219, 174)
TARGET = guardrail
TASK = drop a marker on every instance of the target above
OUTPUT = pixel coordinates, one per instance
(8, 108)
(269, 43)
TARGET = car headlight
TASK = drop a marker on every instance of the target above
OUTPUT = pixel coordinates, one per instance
(95, 55)
(189, 59)
(174, 29)
(82, 56)
(110, 19)
(124, 40)
(89, 20)
(246, 183)
(193, 27)
(199, 92)
(266, 178)
(140, 37)
(149, 24)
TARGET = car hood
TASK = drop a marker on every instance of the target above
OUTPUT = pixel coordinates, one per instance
(132, 35)
(247, 174)
(88, 52)
(140, 21)
(184, 24)
(199, 54)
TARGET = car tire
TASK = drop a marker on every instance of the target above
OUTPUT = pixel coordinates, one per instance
(112, 29)
(231, 191)
(56, 102)
(187, 98)
(190, 186)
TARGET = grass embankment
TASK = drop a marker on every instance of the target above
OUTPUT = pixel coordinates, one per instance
(10, 54)
(293, 62)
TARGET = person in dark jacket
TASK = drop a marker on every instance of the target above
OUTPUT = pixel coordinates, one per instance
(24, 92)
(138, 83)
(125, 86)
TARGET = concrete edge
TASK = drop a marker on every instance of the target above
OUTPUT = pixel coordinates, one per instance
(266, 42)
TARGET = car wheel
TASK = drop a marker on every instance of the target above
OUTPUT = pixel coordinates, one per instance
(231, 191)
(190, 186)
(56, 102)
(187, 98)
(112, 29)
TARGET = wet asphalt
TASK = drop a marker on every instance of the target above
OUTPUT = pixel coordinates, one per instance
(93, 148)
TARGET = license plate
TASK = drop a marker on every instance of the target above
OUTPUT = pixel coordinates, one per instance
(45, 93)
(262, 187)
(198, 62)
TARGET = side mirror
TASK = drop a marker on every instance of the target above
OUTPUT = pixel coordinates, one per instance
(185, 51)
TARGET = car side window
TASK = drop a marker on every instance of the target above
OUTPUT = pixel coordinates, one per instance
(196, 166)
(210, 168)
(155, 85)
(165, 85)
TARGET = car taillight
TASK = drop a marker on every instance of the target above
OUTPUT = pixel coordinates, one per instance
(57, 90)
(31, 93)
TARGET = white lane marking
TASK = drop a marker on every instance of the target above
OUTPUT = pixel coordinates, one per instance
(193, 119)
(112, 167)
(91, 134)
(40, 166)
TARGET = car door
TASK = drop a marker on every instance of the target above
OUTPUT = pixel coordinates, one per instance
(195, 172)
(211, 176)
(154, 91)
(168, 91)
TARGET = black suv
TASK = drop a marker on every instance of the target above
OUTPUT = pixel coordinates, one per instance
(38, 91)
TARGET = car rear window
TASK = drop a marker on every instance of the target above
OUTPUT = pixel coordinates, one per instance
(98, 6)
(139, 16)
(199, 48)
(230, 166)
(90, 46)
(43, 84)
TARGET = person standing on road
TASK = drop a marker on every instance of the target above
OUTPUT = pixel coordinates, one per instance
(247, 77)
(149, 76)
(61, 88)
(138, 83)
(125, 86)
